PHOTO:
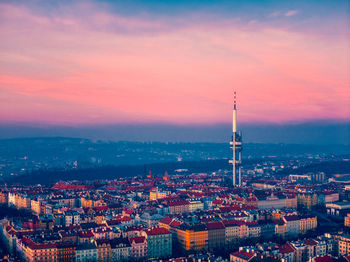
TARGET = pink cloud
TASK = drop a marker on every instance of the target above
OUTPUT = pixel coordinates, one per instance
(63, 70)
(291, 13)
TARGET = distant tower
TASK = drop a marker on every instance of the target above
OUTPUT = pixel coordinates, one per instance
(166, 176)
(236, 147)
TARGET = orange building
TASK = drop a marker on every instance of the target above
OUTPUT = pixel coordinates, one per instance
(86, 202)
(193, 237)
(3, 197)
(34, 252)
(99, 218)
(347, 220)
(344, 245)
(103, 250)
(65, 252)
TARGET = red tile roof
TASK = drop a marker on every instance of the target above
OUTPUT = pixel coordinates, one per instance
(286, 248)
(166, 220)
(310, 242)
(175, 223)
(215, 225)
(218, 201)
(157, 231)
(32, 245)
(137, 240)
(291, 218)
(69, 187)
(122, 218)
(324, 259)
(86, 234)
(243, 255)
(251, 223)
(128, 211)
(232, 222)
(178, 203)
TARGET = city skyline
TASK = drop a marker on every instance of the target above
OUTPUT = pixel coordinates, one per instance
(93, 63)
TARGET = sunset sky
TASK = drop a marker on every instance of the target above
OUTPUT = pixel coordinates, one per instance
(178, 62)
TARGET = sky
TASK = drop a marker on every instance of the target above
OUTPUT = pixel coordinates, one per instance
(177, 62)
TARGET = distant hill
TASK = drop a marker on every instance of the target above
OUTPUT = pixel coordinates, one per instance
(114, 172)
(328, 167)
(22, 155)
(312, 132)
(25, 154)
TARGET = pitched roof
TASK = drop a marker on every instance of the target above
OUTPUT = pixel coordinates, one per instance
(175, 223)
(291, 218)
(286, 248)
(137, 240)
(324, 259)
(310, 242)
(119, 242)
(243, 255)
(215, 225)
(86, 234)
(178, 203)
(32, 245)
(218, 201)
(157, 231)
(166, 220)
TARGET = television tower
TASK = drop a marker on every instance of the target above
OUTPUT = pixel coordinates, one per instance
(236, 147)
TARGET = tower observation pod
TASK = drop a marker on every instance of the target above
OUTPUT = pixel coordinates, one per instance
(236, 147)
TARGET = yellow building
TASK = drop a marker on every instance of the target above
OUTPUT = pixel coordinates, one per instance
(280, 228)
(22, 202)
(35, 206)
(193, 237)
(307, 200)
(156, 194)
(232, 230)
(291, 202)
(307, 223)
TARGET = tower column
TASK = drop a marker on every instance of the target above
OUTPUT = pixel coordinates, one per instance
(236, 147)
